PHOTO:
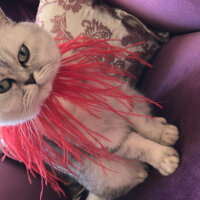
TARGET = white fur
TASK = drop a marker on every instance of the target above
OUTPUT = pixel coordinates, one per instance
(23, 102)
(145, 142)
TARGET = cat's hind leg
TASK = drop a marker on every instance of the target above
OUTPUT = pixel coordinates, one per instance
(138, 173)
(117, 181)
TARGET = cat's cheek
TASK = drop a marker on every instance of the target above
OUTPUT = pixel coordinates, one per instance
(10, 114)
(30, 101)
(45, 91)
(34, 99)
(11, 104)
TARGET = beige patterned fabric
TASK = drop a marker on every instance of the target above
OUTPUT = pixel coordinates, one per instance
(70, 18)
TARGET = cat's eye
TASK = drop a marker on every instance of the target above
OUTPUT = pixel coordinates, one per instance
(5, 85)
(23, 55)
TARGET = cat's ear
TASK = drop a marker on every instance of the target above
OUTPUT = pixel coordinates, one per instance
(3, 18)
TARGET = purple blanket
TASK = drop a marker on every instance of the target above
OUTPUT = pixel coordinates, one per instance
(174, 81)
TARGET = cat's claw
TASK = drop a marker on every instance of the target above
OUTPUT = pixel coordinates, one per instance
(169, 135)
(169, 162)
(161, 120)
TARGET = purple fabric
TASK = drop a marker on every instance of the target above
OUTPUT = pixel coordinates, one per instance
(20, 10)
(174, 81)
(172, 15)
(15, 185)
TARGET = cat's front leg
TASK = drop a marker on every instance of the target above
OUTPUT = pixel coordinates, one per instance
(153, 128)
(156, 129)
(163, 158)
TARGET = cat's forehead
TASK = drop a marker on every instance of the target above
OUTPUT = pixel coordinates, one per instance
(40, 44)
(13, 35)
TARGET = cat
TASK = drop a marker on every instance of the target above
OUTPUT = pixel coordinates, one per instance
(29, 61)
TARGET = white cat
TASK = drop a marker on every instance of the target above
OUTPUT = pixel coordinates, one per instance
(29, 60)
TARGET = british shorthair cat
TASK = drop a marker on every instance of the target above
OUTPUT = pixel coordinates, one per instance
(29, 61)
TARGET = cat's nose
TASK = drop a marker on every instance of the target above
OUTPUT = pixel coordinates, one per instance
(31, 80)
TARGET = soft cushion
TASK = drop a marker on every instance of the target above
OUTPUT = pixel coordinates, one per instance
(88, 17)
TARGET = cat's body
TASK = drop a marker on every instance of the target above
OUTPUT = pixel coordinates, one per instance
(30, 83)
(139, 143)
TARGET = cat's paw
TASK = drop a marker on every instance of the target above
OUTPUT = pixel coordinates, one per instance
(168, 161)
(142, 174)
(92, 196)
(169, 135)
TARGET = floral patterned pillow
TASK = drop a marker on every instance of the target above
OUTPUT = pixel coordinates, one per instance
(92, 17)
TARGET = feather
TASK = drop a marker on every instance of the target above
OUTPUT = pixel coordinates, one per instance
(86, 80)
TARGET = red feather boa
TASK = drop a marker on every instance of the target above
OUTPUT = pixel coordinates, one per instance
(25, 142)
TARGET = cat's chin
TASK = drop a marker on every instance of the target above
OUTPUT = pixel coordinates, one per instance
(14, 122)
(12, 119)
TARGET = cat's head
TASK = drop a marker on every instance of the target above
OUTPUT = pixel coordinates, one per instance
(29, 61)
